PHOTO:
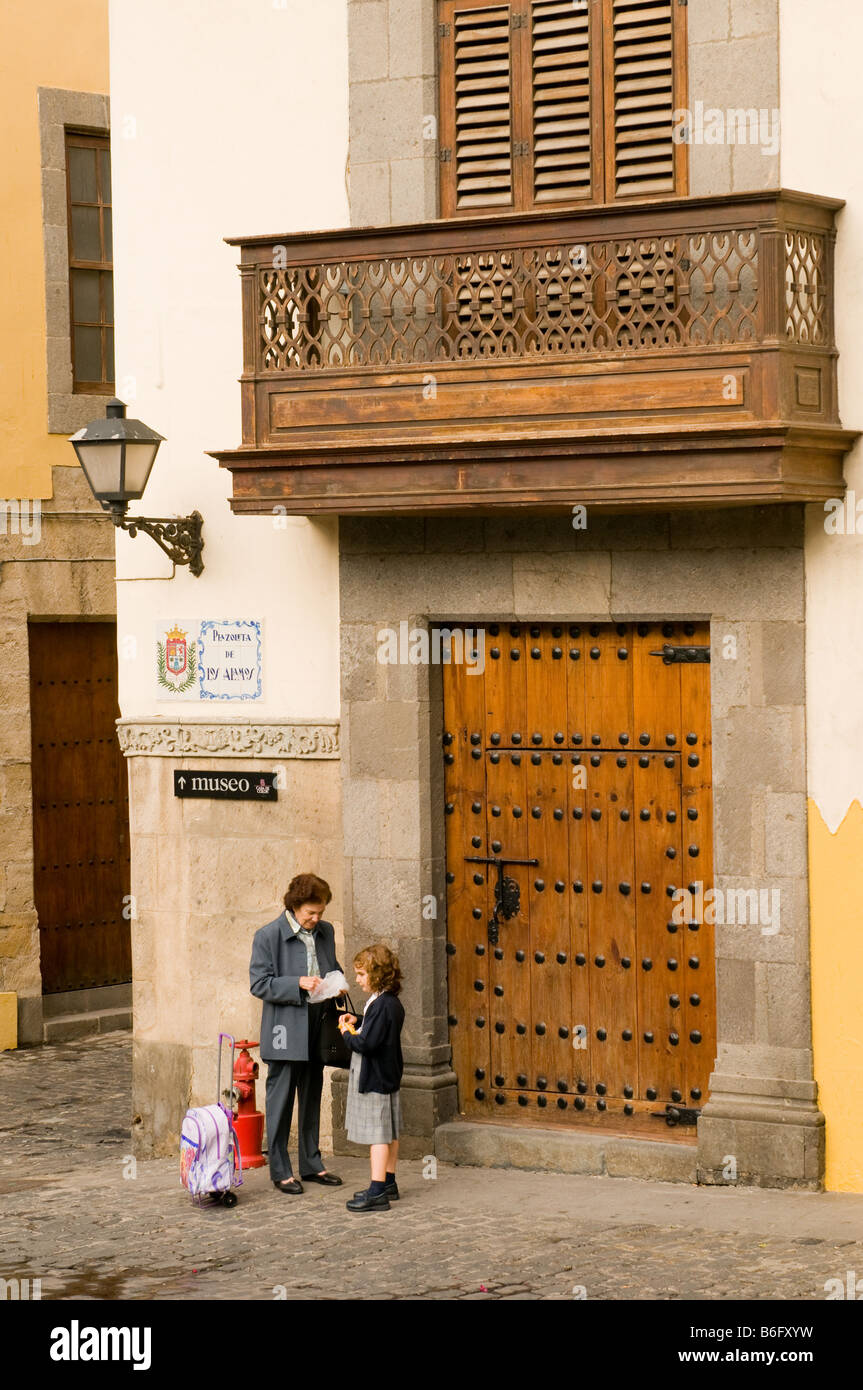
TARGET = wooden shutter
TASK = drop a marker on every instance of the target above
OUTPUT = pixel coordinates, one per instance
(563, 77)
(643, 60)
(555, 102)
(476, 141)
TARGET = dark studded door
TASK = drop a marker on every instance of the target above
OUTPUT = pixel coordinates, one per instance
(80, 807)
(580, 759)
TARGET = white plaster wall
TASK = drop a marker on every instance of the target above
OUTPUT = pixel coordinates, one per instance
(822, 140)
(229, 117)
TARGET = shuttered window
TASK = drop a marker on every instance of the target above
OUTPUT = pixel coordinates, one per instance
(91, 270)
(560, 100)
(641, 77)
(549, 103)
(482, 137)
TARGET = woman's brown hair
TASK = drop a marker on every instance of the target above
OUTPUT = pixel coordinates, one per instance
(307, 888)
(382, 967)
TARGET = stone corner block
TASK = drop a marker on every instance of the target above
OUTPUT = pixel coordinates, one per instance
(765, 1153)
(384, 740)
(546, 583)
(708, 21)
(651, 1160)
(161, 1094)
(414, 189)
(370, 194)
(30, 1021)
(754, 17)
(368, 41)
(502, 1146)
(412, 39)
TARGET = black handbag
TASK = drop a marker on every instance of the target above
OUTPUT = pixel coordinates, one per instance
(333, 1051)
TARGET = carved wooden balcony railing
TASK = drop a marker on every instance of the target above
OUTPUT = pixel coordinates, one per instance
(675, 353)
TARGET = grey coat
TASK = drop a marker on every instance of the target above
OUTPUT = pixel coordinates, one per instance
(278, 961)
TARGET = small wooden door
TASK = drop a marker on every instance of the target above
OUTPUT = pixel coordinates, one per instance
(586, 749)
(80, 807)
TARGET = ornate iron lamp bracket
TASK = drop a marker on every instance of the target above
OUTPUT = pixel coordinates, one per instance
(179, 537)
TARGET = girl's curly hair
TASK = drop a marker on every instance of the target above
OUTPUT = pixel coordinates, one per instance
(382, 967)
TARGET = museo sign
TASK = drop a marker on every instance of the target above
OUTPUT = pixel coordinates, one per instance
(226, 786)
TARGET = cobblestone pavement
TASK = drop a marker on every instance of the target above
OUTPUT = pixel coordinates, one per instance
(71, 1218)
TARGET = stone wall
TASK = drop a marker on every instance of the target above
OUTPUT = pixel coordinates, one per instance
(733, 65)
(743, 570)
(67, 574)
(393, 158)
(205, 876)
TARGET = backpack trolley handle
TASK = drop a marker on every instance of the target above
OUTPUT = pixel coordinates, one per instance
(230, 1200)
(219, 1101)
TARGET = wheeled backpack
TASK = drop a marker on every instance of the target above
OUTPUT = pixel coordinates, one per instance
(210, 1162)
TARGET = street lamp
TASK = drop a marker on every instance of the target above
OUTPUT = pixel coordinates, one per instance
(117, 455)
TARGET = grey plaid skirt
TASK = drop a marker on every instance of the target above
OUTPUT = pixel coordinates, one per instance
(370, 1117)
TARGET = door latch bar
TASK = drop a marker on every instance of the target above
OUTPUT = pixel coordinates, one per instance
(675, 1115)
(672, 656)
(507, 896)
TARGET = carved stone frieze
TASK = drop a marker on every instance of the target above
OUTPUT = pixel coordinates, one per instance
(174, 738)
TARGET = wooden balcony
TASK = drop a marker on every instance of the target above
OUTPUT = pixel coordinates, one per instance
(667, 354)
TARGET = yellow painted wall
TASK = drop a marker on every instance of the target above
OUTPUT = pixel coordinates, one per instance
(46, 43)
(836, 906)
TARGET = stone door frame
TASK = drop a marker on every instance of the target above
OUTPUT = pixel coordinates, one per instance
(742, 571)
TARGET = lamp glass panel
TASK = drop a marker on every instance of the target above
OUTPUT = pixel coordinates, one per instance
(139, 461)
(102, 464)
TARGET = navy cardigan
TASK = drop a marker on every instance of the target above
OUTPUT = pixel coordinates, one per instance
(379, 1045)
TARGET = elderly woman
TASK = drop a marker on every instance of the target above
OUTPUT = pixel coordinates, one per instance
(289, 957)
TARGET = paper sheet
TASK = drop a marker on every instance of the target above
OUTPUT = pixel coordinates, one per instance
(332, 984)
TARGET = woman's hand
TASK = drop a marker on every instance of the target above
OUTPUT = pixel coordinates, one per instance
(347, 1018)
(309, 981)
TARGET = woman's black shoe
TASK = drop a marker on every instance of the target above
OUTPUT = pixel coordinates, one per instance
(290, 1185)
(326, 1179)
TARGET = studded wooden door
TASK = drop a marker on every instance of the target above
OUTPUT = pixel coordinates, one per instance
(587, 750)
(80, 807)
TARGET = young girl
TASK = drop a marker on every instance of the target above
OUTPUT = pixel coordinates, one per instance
(373, 1113)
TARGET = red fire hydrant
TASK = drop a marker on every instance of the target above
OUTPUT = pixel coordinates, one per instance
(248, 1121)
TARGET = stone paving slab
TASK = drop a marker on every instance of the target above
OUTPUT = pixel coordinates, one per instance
(73, 1217)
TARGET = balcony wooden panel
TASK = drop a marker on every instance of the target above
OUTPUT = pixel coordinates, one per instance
(673, 353)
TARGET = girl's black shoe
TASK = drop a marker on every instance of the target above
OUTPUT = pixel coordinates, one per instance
(364, 1201)
(391, 1191)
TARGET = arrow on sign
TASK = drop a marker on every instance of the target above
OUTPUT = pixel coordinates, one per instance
(181, 781)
